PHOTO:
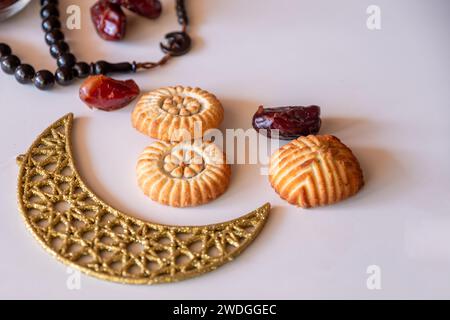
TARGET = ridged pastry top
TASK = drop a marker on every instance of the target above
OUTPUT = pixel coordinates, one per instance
(315, 170)
(183, 174)
(172, 113)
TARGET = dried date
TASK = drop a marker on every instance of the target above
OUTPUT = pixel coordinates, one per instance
(290, 122)
(109, 20)
(108, 94)
(147, 8)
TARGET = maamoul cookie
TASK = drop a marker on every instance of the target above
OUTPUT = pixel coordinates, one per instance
(183, 174)
(315, 171)
(171, 113)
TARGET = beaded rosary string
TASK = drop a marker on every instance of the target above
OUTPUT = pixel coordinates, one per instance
(176, 44)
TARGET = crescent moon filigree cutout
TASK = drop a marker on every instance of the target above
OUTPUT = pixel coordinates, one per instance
(82, 231)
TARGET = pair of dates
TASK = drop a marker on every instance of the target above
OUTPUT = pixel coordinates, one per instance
(110, 20)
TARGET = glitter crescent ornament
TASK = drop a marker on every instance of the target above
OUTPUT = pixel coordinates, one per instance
(82, 231)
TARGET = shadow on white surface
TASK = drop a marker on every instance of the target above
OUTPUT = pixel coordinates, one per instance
(339, 125)
(384, 174)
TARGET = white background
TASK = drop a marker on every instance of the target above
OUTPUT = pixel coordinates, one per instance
(384, 93)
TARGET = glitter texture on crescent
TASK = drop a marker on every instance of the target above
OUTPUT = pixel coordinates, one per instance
(82, 231)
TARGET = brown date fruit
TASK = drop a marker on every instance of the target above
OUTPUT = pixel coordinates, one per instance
(109, 20)
(147, 8)
(291, 122)
(107, 94)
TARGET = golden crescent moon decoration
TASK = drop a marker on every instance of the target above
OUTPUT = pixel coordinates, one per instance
(82, 231)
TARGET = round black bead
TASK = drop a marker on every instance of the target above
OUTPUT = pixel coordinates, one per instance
(82, 70)
(50, 10)
(44, 80)
(24, 73)
(101, 67)
(5, 50)
(51, 23)
(9, 64)
(59, 48)
(54, 36)
(66, 60)
(64, 76)
(46, 2)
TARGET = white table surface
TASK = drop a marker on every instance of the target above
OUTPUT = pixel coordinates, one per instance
(385, 93)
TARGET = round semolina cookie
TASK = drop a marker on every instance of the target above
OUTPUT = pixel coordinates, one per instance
(315, 171)
(183, 174)
(177, 113)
